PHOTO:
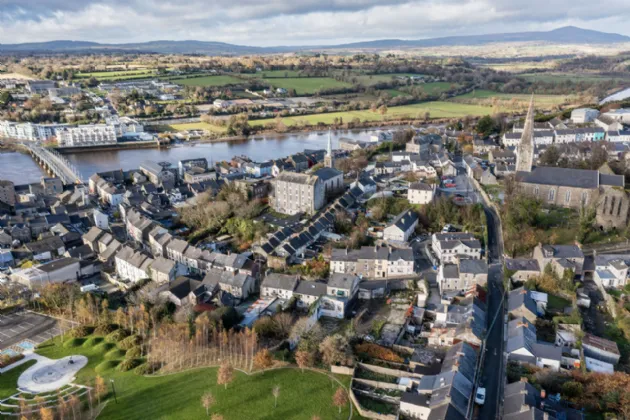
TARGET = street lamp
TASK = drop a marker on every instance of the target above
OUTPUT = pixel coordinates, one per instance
(114, 390)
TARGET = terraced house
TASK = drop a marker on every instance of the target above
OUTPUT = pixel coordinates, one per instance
(373, 262)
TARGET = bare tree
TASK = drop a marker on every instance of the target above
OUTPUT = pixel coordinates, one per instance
(208, 400)
(340, 398)
(276, 393)
(225, 375)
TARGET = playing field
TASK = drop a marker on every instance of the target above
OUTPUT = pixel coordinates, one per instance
(178, 396)
(219, 80)
(306, 85)
(436, 109)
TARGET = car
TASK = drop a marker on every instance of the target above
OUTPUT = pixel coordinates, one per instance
(446, 229)
(480, 396)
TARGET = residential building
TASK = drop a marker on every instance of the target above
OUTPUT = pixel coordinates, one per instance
(608, 123)
(86, 135)
(163, 271)
(373, 262)
(402, 227)
(610, 272)
(622, 115)
(448, 247)
(309, 292)
(332, 180)
(59, 271)
(297, 193)
(47, 248)
(463, 275)
(522, 269)
(279, 285)
(132, 266)
(187, 164)
(523, 347)
(420, 193)
(239, 286)
(561, 258)
(7, 192)
(522, 305)
(27, 131)
(159, 174)
(600, 349)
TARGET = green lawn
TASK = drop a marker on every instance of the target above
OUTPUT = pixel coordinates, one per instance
(306, 85)
(437, 109)
(8, 381)
(220, 80)
(198, 126)
(276, 73)
(178, 396)
(482, 94)
(561, 77)
(372, 79)
(117, 75)
(556, 302)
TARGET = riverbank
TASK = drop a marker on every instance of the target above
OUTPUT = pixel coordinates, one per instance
(111, 147)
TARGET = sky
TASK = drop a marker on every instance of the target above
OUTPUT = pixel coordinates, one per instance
(295, 22)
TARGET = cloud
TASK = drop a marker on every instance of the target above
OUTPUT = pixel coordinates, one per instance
(291, 22)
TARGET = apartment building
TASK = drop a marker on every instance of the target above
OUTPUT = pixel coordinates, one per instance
(86, 135)
(27, 131)
(373, 262)
(297, 193)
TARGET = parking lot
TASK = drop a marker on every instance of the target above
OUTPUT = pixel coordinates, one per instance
(17, 327)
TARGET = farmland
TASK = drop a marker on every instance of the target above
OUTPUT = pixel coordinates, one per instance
(307, 85)
(485, 97)
(436, 109)
(204, 81)
(118, 75)
(198, 126)
(562, 77)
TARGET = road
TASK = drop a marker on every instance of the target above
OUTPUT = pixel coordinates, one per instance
(493, 367)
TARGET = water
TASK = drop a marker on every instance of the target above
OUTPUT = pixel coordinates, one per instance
(19, 168)
(258, 148)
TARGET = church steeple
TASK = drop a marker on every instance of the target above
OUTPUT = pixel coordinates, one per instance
(328, 159)
(525, 151)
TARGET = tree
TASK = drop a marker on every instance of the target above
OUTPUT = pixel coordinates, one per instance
(263, 359)
(485, 125)
(550, 156)
(335, 350)
(304, 359)
(225, 375)
(207, 401)
(100, 388)
(276, 393)
(217, 417)
(340, 398)
(46, 413)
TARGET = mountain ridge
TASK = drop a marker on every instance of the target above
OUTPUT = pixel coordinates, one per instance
(563, 35)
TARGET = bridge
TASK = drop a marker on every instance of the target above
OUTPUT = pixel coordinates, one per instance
(54, 164)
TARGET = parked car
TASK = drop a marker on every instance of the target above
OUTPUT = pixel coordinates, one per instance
(480, 396)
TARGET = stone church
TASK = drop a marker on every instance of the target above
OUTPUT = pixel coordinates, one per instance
(571, 188)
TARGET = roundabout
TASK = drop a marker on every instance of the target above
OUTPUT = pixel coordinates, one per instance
(48, 375)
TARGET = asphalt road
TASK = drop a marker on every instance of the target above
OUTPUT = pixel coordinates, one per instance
(493, 370)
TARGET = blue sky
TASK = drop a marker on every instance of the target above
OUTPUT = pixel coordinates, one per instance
(295, 22)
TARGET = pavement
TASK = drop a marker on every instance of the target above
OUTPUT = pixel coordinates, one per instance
(493, 362)
(49, 375)
(17, 327)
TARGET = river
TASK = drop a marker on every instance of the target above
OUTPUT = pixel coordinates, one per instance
(21, 169)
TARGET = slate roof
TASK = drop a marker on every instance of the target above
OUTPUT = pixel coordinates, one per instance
(327, 173)
(163, 265)
(405, 220)
(342, 281)
(520, 297)
(57, 264)
(281, 281)
(469, 266)
(421, 186)
(183, 286)
(311, 288)
(567, 177)
(297, 178)
(522, 264)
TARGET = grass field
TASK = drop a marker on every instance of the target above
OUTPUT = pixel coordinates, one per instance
(306, 85)
(372, 79)
(178, 396)
(117, 75)
(561, 77)
(436, 109)
(272, 74)
(220, 80)
(198, 126)
(539, 99)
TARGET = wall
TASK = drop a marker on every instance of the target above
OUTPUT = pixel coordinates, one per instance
(342, 370)
(367, 413)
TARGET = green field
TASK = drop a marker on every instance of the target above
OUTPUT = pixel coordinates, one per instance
(198, 126)
(562, 77)
(271, 74)
(437, 109)
(482, 94)
(306, 85)
(118, 75)
(178, 396)
(372, 79)
(220, 80)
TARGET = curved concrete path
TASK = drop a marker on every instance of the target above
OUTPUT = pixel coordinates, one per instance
(48, 375)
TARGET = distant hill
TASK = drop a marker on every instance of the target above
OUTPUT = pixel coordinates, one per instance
(565, 35)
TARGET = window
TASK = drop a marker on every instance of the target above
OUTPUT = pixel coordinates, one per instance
(552, 194)
(536, 191)
(585, 199)
(567, 197)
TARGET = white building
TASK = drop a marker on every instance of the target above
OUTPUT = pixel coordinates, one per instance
(622, 115)
(420, 193)
(543, 137)
(101, 220)
(448, 247)
(610, 272)
(133, 266)
(86, 135)
(402, 227)
(584, 115)
(124, 125)
(27, 131)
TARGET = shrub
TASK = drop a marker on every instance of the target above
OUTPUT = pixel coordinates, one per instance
(129, 342)
(74, 342)
(134, 352)
(115, 354)
(103, 347)
(128, 364)
(93, 341)
(6, 360)
(116, 336)
(80, 331)
(106, 365)
(105, 329)
(375, 351)
(147, 368)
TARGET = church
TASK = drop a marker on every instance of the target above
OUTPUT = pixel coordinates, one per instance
(571, 188)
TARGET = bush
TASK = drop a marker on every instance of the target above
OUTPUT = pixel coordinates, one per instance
(375, 351)
(128, 364)
(6, 360)
(93, 341)
(116, 336)
(147, 368)
(105, 329)
(134, 352)
(103, 347)
(80, 332)
(106, 365)
(74, 342)
(114, 354)
(129, 342)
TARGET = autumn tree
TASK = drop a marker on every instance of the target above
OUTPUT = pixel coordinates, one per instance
(46, 413)
(263, 359)
(276, 393)
(100, 388)
(217, 417)
(335, 350)
(225, 375)
(340, 398)
(304, 359)
(207, 401)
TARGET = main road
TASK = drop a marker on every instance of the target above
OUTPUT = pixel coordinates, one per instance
(493, 373)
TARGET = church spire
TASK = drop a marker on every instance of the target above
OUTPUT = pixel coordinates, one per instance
(328, 159)
(525, 150)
